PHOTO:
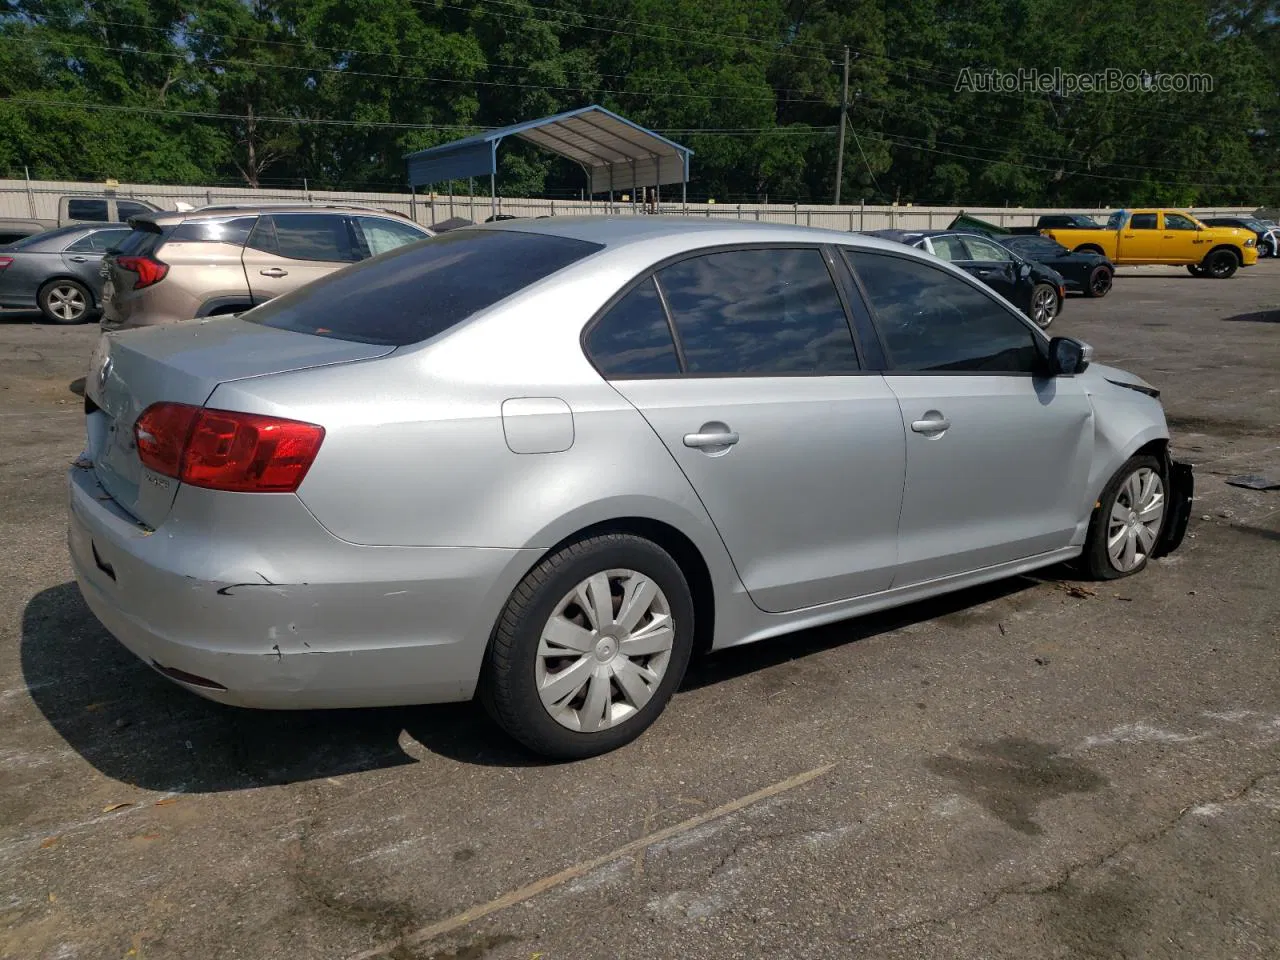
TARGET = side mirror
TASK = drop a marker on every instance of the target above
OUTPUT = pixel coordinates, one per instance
(1067, 357)
(1024, 270)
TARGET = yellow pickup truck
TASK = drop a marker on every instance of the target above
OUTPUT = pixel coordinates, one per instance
(1164, 236)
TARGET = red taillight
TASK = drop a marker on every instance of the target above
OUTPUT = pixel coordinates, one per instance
(5, 261)
(149, 270)
(225, 450)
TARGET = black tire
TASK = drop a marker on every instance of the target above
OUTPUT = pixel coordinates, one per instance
(508, 686)
(58, 301)
(1195, 269)
(1221, 264)
(1100, 278)
(1095, 562)
(1089, 248)
(1043, 317)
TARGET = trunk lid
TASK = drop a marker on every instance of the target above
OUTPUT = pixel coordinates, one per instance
(182, 363)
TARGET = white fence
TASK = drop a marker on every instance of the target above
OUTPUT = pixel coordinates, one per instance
(38, 199)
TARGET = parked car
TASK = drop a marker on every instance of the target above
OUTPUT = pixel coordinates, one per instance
(1088, 273)
(57, 272)
(1267, 236)
(967, 223)
(547, 460)
(227, 259)
(76, 209)
(1165, 237)
(1037, 290)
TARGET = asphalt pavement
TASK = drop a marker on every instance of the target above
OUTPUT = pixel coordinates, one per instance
(1042, 768)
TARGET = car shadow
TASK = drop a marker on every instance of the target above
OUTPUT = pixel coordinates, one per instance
(135, 726)
(76, 386)
(1260, 316)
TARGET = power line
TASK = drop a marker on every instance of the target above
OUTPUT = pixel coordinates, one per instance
(343, 71)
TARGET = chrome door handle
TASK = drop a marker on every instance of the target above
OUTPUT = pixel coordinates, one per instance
(79, 259)
(701, 441)
(274, 272)
(931, 425)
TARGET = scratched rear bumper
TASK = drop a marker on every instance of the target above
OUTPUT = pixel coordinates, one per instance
(287, 616)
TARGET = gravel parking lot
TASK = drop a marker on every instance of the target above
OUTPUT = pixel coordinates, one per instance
(1042, 768)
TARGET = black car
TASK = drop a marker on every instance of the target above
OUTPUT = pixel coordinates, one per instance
(1268, 240)
(1037, 290)
(1087, 273)
(57, 272)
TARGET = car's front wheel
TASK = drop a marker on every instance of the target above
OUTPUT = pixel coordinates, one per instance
(1221, 264)
(1044, 305)
(1195, 269)
(65, 301)
(591, 646)
(1127, 520)
(1100, 279)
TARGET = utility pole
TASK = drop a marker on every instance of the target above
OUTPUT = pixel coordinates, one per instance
(844, 108)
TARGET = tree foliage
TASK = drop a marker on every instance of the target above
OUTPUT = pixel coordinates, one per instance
(337, 91)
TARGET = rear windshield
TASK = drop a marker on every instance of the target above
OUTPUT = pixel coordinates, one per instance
(422, 289)
(142, 240)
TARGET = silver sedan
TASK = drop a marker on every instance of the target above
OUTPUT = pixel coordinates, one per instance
(544, 462)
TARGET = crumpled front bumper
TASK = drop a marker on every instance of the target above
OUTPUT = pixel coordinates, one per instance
(1180, 493)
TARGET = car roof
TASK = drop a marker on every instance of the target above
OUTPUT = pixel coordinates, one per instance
(690, 232)
(170, 218)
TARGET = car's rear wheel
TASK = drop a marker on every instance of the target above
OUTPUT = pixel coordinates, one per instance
(591, 646)
(1044, 305)
(1127, 520)
(65, 301)
(1100, 279)
(1221, 264)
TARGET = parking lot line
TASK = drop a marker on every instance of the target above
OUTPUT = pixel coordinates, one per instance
(519, 895)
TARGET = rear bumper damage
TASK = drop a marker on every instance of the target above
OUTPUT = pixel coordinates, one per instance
(328, 624)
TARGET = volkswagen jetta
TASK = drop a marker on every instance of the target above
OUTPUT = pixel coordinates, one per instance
(545, 461)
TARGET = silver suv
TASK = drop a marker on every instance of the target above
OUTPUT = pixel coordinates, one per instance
(215, 260)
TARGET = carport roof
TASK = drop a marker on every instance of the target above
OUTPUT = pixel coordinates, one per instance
(614, 152)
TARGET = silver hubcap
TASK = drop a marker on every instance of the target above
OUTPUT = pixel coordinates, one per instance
(604, 651)
(1135, 519)
(1045, 307)
(66, 303)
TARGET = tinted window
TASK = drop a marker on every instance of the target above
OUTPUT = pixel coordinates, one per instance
(986, 250)
(141, 242)
(1176, 221)
(313, 236)
(234, 231)
(418, 291)
(380, 234)
(263, 236)
(930, 320)
(100, 241)
(633, 338)
(1143, 221)
(948, 248)
(127, 208)
(761, 312)
(83, 208)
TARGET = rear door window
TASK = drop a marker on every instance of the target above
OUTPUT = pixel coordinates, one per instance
(381, 234)
(314, 236)
(634, 339)
(87, 208)
(128, 208)
(418, 291)
(100, 241)
(764, 312)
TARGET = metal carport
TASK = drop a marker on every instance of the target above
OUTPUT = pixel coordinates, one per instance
(613, 152)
